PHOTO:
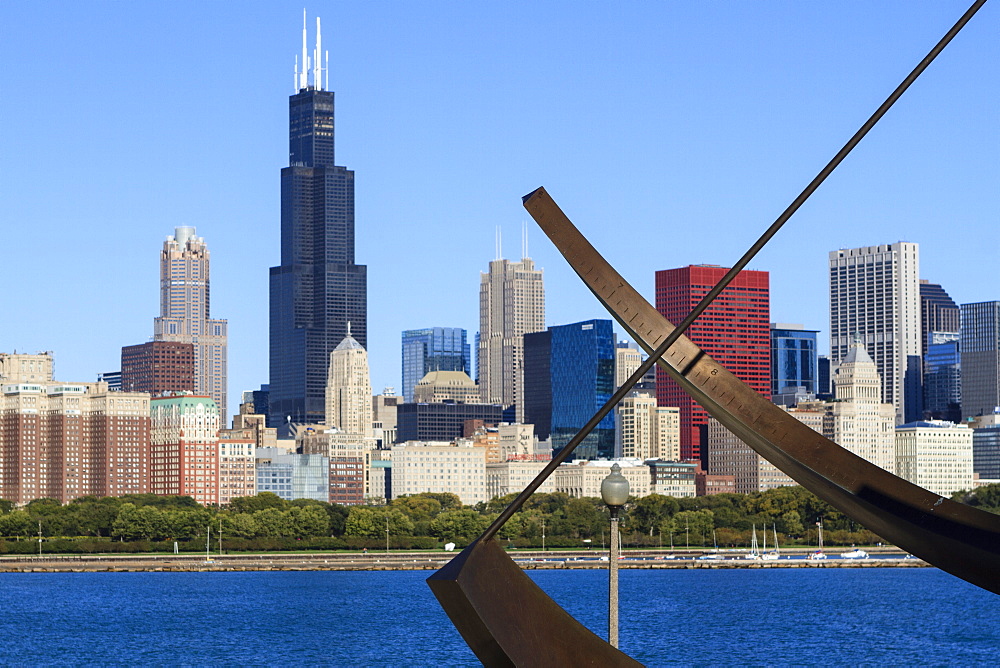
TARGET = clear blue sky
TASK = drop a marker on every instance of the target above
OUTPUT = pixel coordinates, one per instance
(671, 133)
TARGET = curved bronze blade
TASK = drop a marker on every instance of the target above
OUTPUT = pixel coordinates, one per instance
(954, 537)
(508, 620)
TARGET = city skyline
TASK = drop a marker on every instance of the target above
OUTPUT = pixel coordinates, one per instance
(713, 114)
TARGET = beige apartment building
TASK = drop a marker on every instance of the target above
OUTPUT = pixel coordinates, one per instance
(237, 468)
(433, 466)
(935, 455)
(644, 430)
(185, 301)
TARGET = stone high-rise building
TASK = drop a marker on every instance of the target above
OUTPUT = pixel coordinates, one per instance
(511, 304)
(349, 390)
(862, 422)
(875, 294)
(317, 289)
(185, 303)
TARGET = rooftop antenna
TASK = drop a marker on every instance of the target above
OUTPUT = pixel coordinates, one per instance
(499, 245)
(327, 70)
(318, 59)
(295, 77)
(304, 75)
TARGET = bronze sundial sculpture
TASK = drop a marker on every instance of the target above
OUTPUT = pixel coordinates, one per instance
(508, 620)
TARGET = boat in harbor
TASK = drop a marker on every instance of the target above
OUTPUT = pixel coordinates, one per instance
(819, 554)
(754, 554)
(856, 553)
(773, 554)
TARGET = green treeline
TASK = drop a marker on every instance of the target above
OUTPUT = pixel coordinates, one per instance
(144, 523)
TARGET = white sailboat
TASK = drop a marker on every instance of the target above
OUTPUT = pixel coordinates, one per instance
(819, 554)
(775, 553)
(754, 554)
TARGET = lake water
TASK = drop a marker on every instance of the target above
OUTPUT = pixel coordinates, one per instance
(761, 617)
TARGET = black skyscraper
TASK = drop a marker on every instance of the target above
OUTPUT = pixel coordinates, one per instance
(318, 289)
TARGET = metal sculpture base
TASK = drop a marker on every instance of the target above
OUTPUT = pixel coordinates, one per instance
(507, 620)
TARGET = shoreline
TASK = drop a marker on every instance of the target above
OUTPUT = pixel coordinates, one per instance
(527, 560)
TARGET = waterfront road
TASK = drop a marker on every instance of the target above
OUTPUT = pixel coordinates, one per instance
(400, 560)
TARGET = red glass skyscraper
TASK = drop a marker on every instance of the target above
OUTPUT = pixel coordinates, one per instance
(734, 330)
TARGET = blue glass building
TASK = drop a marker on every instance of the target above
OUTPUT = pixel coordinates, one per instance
(318, 289)
(538, 382)
(582, 371)
(433, 349)
(793, 358)
(943, 377)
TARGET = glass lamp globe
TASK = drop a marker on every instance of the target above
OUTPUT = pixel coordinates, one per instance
(614, 488)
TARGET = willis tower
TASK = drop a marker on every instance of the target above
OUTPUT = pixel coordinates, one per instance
(318, 289)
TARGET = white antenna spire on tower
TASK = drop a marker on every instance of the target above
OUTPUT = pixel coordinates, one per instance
(327, 70)
(499, 244)
(295, 79)
(304, 76)
(318, 59)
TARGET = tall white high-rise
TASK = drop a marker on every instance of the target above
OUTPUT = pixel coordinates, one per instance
(185, 312)
(875, 294)
(349, 389)
(511, 304)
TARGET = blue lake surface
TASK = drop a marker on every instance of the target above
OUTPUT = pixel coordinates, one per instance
(760, 617)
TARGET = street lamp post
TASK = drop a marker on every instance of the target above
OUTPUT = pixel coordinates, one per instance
(614, 493)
